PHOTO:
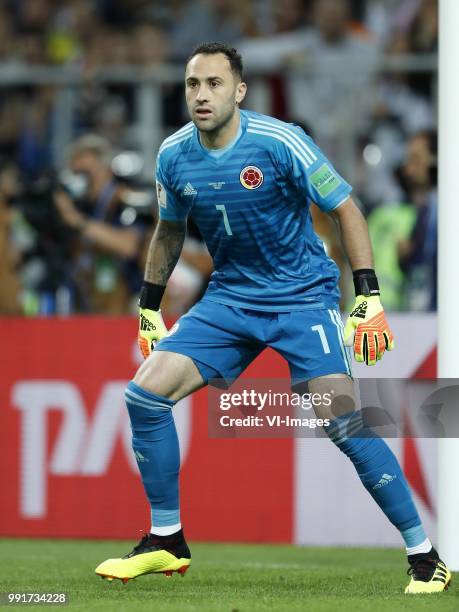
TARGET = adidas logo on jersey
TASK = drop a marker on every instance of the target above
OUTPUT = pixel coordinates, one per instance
(360, 311)
(384, 480)
(189, 190)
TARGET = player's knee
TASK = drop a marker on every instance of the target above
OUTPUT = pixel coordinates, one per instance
(147, 412)
(169, 375)
(154, 391)
(154, 380)
(146, 377)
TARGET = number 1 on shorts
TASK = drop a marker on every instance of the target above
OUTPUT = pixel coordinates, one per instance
(323, 338)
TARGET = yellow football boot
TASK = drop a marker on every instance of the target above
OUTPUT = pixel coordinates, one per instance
(152, 555)
(428, 574)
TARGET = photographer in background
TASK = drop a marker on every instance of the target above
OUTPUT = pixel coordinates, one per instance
(418, 253)
(108, 231)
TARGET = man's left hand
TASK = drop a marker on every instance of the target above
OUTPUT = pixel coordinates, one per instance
(367, 330)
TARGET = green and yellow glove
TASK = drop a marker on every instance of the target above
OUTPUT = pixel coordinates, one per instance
(151, 324)
(151, 329)
(366, 328)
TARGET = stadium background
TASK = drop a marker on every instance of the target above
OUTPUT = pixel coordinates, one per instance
(361, 77)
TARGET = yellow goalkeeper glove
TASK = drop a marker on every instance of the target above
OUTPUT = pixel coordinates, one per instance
(151, 329)
(366, 328)
(151, 324)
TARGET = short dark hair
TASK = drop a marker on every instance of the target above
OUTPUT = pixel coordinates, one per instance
(231, 54)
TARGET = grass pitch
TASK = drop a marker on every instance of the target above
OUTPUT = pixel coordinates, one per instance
(222, 577)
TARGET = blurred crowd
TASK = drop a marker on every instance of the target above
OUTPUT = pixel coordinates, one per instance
(75, 224)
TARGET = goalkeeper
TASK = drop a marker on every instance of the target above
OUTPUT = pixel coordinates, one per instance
(248, 180)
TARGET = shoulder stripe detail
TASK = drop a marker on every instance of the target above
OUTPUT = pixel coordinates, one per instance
(178, 135)
(287, 143)
(179, 132)
(290, 134)
(167, 145)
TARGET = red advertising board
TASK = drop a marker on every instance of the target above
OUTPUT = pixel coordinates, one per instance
(66, 466)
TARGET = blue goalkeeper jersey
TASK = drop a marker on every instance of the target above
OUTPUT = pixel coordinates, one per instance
(252, 207)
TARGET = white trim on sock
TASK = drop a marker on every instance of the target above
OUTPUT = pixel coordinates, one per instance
(424, 547)
(169, 530)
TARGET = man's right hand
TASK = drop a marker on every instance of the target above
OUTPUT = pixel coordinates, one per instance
(151, 329)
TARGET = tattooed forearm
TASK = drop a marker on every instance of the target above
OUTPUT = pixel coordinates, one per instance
(165, 248)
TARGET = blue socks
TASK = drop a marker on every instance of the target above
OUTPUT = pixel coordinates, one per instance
(380, 474)
(156, 449)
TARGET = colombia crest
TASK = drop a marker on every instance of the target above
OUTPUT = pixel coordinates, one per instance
(251, 177)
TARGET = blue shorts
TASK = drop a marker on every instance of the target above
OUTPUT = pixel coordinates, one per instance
(223, 340)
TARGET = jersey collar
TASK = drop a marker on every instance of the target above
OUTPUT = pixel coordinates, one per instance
(229, 148)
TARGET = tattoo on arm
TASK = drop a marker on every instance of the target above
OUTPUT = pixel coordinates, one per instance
(165, 248)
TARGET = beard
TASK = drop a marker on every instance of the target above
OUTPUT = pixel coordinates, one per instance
(216, 123)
